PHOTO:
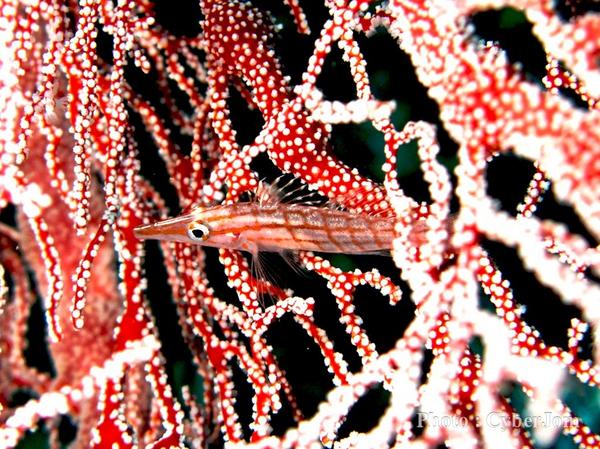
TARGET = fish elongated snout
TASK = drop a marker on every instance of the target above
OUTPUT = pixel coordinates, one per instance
(145, 232)
(172, 230)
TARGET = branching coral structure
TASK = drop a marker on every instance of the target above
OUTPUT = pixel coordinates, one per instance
(94, 92)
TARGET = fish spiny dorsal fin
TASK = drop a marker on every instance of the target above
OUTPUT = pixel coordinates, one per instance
(363, 198)
(287, 189)
(267, 194)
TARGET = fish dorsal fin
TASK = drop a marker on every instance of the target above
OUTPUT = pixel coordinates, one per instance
(293, 190)
(267, 194)
(289, 190)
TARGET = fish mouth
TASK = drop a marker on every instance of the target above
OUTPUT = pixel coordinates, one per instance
(172, 229)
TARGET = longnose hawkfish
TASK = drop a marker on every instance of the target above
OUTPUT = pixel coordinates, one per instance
(268, 224)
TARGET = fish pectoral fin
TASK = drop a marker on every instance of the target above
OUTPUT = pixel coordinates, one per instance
(244, 244)
(266, 282)
(293, 261)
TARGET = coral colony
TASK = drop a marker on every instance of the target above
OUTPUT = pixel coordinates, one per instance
(73, 189)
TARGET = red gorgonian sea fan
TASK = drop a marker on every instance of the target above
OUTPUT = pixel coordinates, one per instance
(73, 114)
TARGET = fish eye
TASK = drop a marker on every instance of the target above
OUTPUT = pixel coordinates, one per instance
(198, 232)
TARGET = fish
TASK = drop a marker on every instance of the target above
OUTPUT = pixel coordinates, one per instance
(276, 227)
(284, 217)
